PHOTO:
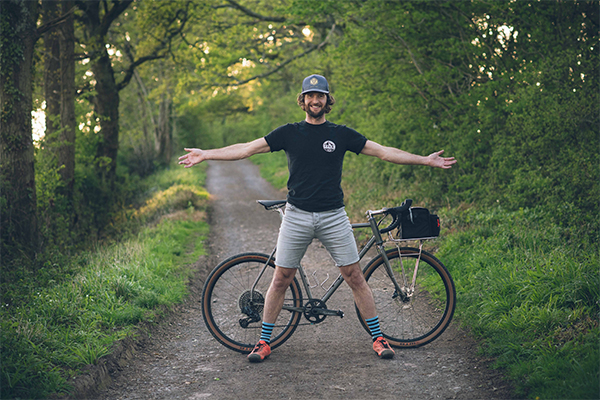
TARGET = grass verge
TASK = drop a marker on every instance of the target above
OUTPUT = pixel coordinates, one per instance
(530, 291)
(51, 328)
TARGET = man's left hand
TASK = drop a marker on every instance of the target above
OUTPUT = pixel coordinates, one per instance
(436, 160)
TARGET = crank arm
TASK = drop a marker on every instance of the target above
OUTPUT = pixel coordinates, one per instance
(335, 313)
(293, 309)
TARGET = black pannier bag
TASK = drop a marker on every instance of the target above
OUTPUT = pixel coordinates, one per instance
(419, 223)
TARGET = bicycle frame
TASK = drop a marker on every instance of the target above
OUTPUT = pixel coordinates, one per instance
(414, 308)
(376, 239)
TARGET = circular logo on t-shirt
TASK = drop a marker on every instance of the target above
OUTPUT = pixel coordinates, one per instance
(329, 146)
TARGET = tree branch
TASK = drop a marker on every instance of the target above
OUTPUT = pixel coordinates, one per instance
(155, 54)
(410, 53)
(129, 71)
(251, 13)
(112, 14)
(54, 23)
(286, 62)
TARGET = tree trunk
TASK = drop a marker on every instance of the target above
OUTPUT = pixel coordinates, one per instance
(52, 87)
(145, 150)
(106, 101)
(66, 153)
(59, 91)
(106, 106)
(18, 224)
(163, 131)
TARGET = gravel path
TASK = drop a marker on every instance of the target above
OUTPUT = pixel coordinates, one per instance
(331, 360)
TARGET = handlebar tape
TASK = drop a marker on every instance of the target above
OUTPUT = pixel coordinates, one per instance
(396, 213)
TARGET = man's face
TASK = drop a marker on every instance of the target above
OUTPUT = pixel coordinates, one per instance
(314, 104)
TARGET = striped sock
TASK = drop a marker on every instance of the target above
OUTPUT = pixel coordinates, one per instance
(267, 330)
(373, 324)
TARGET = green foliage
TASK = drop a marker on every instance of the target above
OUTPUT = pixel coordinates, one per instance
(54, 209)
(511, 97)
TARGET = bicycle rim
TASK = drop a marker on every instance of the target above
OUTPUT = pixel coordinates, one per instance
(427, 313)
(227, 292)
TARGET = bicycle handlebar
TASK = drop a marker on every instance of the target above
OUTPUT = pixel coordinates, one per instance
(395, 212)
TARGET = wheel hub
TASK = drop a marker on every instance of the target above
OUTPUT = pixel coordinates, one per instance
(251, 304)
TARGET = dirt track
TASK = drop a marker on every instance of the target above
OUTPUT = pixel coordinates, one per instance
(332, 360)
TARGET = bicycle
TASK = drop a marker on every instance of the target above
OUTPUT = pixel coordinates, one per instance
(413, 290)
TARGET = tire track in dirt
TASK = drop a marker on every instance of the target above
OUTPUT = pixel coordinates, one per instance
(332, 360)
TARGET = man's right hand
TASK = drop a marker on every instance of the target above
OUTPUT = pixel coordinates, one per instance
(193, 157)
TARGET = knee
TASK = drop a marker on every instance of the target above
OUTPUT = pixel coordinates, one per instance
(282, 278)
(353, 276)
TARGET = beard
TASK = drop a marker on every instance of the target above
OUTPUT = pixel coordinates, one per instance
(317, 114)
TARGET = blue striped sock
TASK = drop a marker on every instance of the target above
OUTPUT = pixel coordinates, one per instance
(373, 324)
(267, 330)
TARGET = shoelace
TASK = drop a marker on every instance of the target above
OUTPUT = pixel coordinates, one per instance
(259, 347)
(384, 343)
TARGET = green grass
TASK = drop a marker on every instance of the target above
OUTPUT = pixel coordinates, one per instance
(531, 296)
(50, 329)
(528, 289)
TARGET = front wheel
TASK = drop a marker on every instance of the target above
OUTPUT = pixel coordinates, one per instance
(420, 318)
(233, 311)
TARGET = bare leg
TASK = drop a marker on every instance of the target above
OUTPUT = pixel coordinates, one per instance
(282, 278)
(363, 296)
(360, 290)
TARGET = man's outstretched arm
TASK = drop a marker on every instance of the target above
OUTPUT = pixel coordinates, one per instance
(397, 156)
(234, 152)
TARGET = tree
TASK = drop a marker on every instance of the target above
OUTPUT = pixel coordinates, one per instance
(18, 223)
(66, 152)
(59, 91)
(97, 21)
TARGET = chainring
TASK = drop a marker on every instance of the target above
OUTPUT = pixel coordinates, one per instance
(310, 311)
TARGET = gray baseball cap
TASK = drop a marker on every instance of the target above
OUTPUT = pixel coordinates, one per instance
(315, 83)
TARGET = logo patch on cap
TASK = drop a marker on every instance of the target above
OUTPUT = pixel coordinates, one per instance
(315, 83)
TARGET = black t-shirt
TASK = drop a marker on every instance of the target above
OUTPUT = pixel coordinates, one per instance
(315, 156)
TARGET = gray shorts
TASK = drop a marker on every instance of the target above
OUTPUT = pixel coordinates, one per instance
(300, 227)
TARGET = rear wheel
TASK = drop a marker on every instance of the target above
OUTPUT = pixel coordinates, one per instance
(423, 316)
(233, 312)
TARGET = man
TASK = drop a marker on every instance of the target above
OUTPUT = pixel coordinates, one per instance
(315, 149)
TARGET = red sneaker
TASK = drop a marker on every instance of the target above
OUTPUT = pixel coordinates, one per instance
(261, 351)
(382, 348)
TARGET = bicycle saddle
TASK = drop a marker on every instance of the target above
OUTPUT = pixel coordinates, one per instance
(271, 204)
